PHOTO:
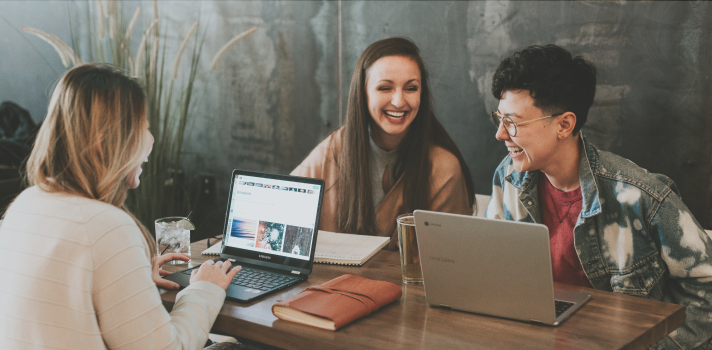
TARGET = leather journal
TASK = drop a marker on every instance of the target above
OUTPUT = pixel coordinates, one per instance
(333, 304)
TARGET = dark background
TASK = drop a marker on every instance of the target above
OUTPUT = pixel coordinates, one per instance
(279, 92)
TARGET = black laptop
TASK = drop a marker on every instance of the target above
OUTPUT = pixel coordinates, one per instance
(270, 230)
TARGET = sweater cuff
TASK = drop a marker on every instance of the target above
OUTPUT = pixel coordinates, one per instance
(206, 287)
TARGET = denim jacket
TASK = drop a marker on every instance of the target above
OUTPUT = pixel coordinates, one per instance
(634, 235)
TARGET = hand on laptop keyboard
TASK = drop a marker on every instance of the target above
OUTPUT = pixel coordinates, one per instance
(218, 273)
(158, 272)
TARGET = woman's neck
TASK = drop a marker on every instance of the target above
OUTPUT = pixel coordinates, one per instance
(385, 141)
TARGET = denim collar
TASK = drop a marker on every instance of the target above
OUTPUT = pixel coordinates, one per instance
(588, 166)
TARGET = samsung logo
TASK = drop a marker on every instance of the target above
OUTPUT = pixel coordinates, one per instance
(445, 260)
(265, 256)
(430, 223)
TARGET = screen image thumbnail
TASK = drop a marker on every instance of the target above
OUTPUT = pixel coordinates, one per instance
(244, 229)
(297, 240)
(270, 236)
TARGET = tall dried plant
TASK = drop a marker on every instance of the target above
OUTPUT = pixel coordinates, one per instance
(169, 96)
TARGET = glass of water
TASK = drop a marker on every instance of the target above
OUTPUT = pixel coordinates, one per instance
(173, 236)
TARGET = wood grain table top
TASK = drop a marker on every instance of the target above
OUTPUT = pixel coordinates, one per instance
(607, 321)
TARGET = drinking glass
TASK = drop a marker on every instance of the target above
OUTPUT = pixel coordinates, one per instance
(409, 255)
(171, 238)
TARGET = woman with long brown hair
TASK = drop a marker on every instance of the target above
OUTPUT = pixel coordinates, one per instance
(79, 271)
(392, 155)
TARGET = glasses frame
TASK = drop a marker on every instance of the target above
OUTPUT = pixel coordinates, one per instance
(498, 119)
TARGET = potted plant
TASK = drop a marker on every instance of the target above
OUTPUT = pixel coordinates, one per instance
(169, 93)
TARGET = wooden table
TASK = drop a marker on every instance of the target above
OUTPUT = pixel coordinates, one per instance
(607, 321)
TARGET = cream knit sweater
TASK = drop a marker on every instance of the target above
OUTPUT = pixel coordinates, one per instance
(74, 274)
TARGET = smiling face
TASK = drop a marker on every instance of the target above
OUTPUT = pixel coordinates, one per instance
(393, 92)
(535, 146)
(133, 178)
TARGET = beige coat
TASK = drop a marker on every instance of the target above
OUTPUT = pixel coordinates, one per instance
(448, 188)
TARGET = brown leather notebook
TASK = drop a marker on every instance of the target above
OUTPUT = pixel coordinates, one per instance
(335, 303)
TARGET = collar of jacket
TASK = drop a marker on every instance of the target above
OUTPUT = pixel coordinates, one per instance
(588, 167)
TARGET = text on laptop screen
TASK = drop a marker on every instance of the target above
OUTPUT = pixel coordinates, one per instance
(273, 216)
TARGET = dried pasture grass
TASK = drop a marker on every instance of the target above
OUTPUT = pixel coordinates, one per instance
(113, 23)
(138, 62)
(181, 49)
(218, 56)
(66, 54)
(100, 14)
(132, 24)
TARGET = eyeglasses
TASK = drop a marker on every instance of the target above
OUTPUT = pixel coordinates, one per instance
(511, 126)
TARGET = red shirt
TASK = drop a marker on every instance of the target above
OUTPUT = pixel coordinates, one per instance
(559, 212)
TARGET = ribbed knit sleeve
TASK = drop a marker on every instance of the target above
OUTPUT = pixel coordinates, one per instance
(78, 276)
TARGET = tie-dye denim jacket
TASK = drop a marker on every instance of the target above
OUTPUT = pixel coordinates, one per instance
(634, 235)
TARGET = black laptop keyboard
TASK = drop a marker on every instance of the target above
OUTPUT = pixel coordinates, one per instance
(257, 279)
(262, 280)
(562, 306)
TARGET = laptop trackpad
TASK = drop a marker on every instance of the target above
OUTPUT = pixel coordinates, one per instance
(242, 293)
(183, 279)
(233, 291)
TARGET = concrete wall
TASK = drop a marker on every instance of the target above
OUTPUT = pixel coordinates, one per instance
(278, 93)
(29, 67)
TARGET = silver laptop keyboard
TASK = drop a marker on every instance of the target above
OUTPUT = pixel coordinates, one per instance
(561, 306)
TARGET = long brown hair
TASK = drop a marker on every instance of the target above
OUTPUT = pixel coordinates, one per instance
(92, 137)
(356, 212)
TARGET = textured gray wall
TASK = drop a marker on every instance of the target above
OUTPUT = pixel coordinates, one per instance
(654, 60)
(278, 93)
(29, 67)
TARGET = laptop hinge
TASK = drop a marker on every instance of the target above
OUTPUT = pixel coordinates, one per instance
(296, 272)
(535, 321)
(443, 305)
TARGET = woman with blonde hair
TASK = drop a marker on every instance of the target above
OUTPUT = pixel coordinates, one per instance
(392, 155)
(77, 265)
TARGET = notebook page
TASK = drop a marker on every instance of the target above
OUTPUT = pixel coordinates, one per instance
(214, 249)
(345, 246)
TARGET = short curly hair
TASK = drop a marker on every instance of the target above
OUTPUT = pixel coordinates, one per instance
(557, 81)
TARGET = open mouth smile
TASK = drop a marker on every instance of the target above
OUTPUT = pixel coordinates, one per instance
(395, 116)
(515, 151)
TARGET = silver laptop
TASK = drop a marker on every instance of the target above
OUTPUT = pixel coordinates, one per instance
(492, 267)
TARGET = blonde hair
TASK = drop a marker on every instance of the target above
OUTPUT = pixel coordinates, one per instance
(92, 138)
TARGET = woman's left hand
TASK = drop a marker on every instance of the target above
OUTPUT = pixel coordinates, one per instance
(158, 272)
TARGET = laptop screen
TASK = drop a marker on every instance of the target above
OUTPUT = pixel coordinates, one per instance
(273, 218)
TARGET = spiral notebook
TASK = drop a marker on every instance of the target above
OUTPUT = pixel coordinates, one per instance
(214, 249)
(346, 248)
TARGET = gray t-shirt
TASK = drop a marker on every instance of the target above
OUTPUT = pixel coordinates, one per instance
(379, 159)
